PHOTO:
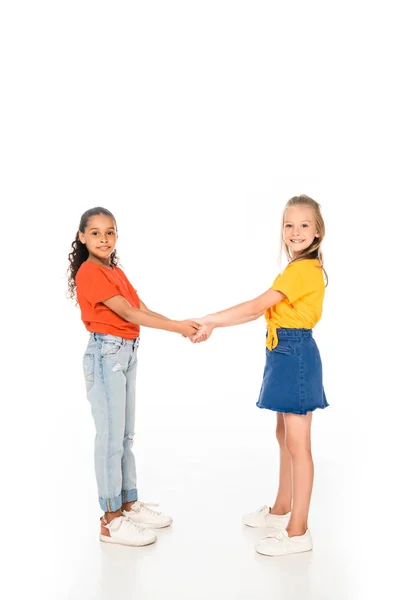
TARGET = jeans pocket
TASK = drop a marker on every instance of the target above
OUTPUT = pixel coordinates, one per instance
(88, 370)
(110, 349)
(284, 348)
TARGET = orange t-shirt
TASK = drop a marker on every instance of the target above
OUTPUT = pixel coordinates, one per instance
(94, 284)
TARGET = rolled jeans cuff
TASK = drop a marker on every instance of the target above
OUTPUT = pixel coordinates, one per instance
(114, 504)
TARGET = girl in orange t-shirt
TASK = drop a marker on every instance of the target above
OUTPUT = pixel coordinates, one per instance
(113, 313)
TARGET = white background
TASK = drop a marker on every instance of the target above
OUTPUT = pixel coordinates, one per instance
(194, 123)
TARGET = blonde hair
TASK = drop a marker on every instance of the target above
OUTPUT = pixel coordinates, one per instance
(314, 250)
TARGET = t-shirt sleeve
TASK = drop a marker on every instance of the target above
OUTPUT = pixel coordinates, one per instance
(130, 286)
(294, 282)
(96, 286)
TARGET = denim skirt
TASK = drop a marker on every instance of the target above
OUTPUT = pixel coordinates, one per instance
(292, 380)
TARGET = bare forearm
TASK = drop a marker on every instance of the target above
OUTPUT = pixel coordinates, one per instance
(150, 319)
(236, 315)
(246, 311)
(151, 312)
(240, 321)
(147, 309)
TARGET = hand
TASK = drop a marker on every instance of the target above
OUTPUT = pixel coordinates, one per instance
(203, 333)
(188, 328)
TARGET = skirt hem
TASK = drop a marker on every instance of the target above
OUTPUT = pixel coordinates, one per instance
(294, 412)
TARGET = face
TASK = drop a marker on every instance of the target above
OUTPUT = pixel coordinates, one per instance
(100, 237)
(299, 228)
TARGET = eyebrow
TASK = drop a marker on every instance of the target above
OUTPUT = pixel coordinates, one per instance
(108, 228)
(305, 221)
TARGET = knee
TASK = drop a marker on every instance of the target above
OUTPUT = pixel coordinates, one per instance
(281, 435)
(297, 448)
(128, 439)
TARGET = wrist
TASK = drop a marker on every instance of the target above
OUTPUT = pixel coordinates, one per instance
(175, 326)
(209, 320)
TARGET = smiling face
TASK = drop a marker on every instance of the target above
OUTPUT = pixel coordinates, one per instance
(299, 228)
(100, 237)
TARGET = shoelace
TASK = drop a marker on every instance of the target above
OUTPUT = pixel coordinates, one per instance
(126, 520)
(275, 534)
(264, 510)
(145, 507)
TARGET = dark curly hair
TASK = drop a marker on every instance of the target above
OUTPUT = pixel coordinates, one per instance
(79, 252)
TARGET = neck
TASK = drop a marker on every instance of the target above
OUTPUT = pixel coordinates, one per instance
(98, 261)
(294, 255)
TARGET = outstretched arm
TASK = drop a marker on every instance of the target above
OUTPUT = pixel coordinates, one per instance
(246, 311)
(236, 315)
(144, 307)
(121, 307)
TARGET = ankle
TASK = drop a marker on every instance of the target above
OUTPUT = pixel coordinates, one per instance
(294, 532)
(280, 509)
(128, 505)
(110, 516)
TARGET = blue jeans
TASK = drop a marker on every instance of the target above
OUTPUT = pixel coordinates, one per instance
(109, 366)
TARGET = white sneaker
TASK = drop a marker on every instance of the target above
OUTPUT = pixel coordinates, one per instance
(263, 518)
(142, 515)
(124, 531)
(278, 543)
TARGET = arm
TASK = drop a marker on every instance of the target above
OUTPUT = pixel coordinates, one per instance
(122, 308)
(244, 312)
(238, 321)
(144, 307)
(236, 315)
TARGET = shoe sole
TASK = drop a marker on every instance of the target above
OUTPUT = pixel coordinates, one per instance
(110, 540)
(286, 554)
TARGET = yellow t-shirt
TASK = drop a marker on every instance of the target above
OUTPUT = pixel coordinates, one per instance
(303, 284)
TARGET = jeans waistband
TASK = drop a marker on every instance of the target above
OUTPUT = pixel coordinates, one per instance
(285, 332)
(113, 338)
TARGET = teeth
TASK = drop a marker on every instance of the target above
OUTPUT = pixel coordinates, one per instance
(297, 241)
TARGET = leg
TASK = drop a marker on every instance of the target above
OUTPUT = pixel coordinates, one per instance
(129, 485)
(107, 399)
(283, 502)
(298, 442)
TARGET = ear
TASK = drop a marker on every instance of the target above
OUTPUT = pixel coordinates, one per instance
(82, 238)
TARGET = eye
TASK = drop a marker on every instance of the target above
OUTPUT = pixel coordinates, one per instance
(94, 233)
(288, 225)
(111, 233)
(304, 225)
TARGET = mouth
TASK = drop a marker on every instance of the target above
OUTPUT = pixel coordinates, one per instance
(103, 248)
(296, 241)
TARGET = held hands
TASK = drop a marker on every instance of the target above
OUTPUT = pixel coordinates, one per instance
(203, 333)
(197, 330)
(189, 328)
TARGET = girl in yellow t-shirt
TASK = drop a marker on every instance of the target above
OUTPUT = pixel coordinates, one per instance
(292, 383)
